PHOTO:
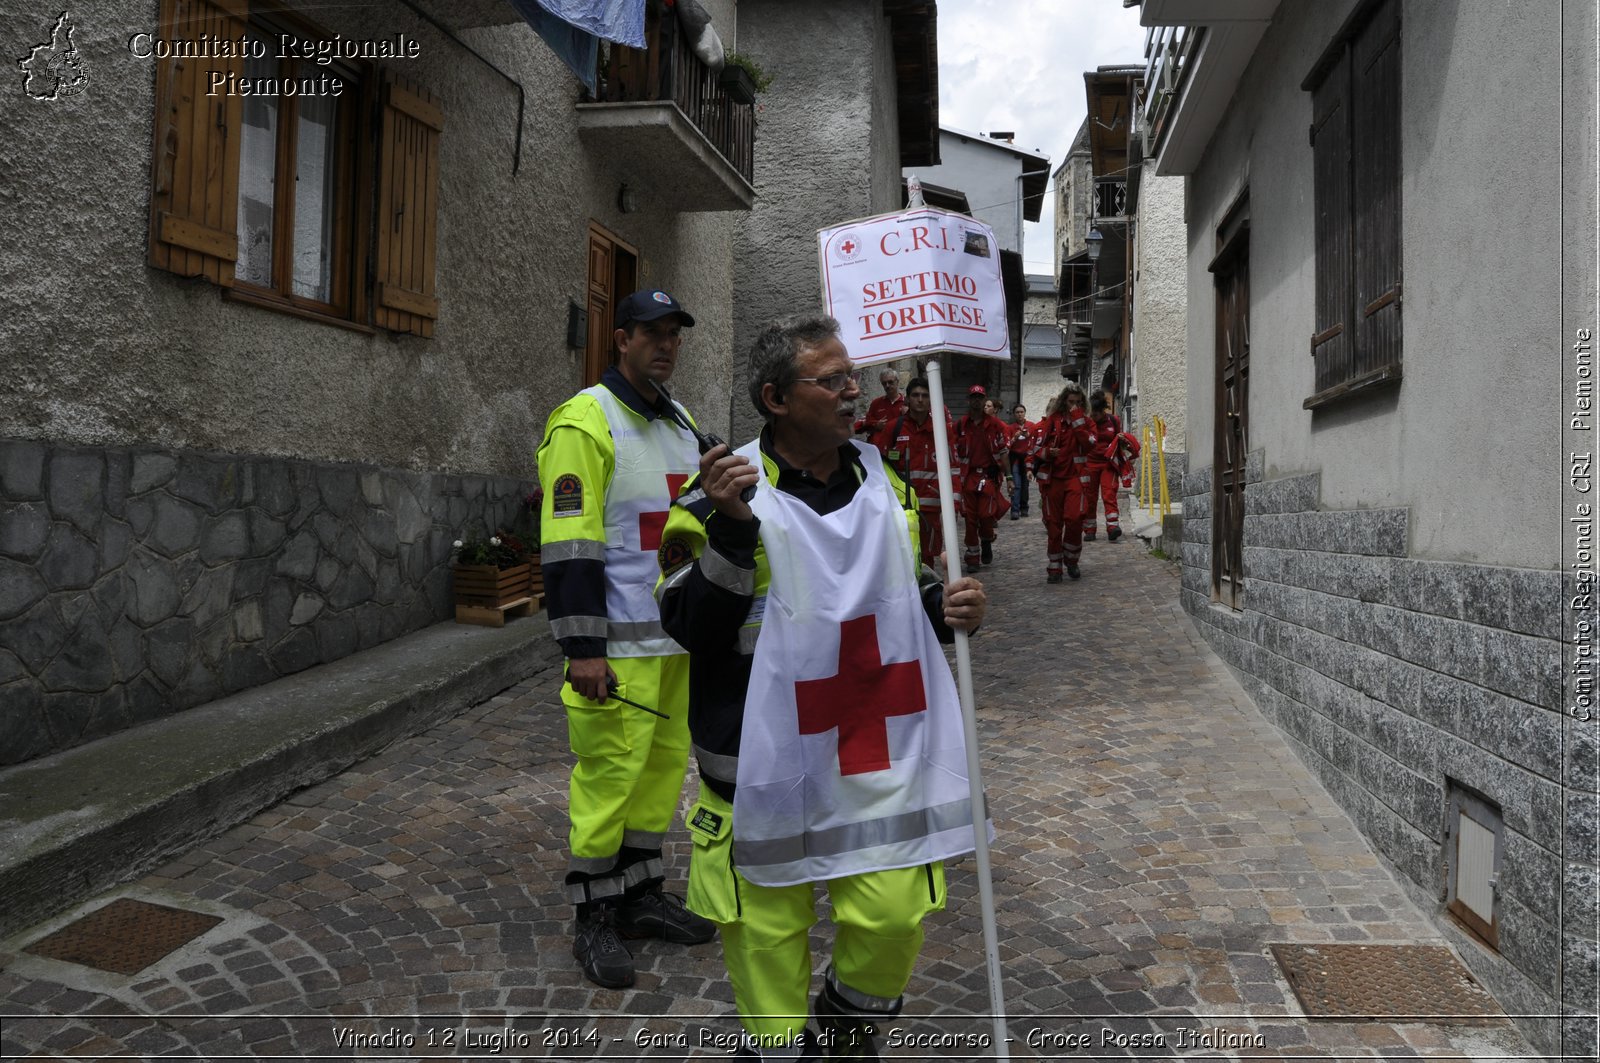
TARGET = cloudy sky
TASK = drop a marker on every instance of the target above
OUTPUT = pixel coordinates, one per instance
(1018, 65)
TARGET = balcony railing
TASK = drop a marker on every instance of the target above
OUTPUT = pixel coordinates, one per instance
(1078, 311)
(1167, 49)
(666, 69)
(1111, 197)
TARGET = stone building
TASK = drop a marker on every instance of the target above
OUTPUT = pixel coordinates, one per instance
(1379, 291)
(854, 97)
(274, 354)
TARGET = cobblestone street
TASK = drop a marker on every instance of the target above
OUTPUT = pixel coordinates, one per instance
(1155, 837)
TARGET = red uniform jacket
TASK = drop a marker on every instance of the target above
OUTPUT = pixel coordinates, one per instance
(1107, 427)
(908, 448)
(1072, 436)
(980, 446)
(879, 413)
(1021, 438)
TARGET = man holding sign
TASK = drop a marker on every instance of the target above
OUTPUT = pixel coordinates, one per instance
(824, 718)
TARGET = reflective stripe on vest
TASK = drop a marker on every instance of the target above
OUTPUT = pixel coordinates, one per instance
(637, 501)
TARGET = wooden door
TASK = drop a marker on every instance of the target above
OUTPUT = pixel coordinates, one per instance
(1231, 424)
(613, 274)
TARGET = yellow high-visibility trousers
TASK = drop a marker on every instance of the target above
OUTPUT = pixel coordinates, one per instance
(878, 919)
(629, 773)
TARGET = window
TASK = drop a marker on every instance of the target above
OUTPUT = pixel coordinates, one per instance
(1355, 140)
(272, 195)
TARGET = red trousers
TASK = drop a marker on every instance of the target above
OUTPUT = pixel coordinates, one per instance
(1103, 477)
(932, 531)
(1062, 505)
(978, 527)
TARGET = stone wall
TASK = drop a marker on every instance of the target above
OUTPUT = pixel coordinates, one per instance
(139, 581)
(1391, 676)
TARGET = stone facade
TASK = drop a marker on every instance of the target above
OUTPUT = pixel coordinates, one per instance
(1159, 366)
(1394, 676)
(139, 581)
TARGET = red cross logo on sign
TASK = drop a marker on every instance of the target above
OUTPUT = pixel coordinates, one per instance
(848, 247)
(650, 524)
(860, 698)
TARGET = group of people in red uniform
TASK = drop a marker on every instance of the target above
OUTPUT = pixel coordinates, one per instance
(1077, 452)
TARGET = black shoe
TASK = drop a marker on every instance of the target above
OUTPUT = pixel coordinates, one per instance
(1113, 534)
(1015, 515)
(1052, 577)
(846, 1034)
(806, 1043)
(1088, 537)
(988, 552)
(1072, 571)
(659, 914)
(606, 960)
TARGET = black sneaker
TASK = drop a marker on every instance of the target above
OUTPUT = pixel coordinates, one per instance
(844, 1034)
(1052, 577)
(988, 552)
(1088, 537)
(1015, 515)
(659, 914)
(606, 960)
(1072, 571)
(1113, 534)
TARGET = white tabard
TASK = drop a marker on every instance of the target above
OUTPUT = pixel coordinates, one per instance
(852, 757)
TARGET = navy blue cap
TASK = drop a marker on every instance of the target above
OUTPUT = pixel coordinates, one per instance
(647, 304)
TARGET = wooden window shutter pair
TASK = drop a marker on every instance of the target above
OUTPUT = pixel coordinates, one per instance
(194, 202)
(1355, 139)
(408, 207)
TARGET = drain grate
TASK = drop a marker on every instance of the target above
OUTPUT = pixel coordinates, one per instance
(125, 936)
(1387, 983)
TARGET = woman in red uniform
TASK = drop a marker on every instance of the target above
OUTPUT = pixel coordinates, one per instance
(1062, 472)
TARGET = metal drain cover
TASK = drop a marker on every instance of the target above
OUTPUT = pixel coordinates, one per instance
(124, 937)
(1387, 983)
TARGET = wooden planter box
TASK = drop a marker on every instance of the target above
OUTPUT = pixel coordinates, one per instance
(486, 594)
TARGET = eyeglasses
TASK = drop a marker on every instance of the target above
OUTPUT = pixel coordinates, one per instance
(835, 382)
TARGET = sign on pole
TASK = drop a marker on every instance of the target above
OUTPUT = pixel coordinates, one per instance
(910, 283)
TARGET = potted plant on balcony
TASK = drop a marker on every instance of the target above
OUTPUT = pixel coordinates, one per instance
(742, 77)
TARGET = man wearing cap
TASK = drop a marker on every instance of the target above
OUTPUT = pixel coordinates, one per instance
(885, 407)
(980, 446)
(612, 460)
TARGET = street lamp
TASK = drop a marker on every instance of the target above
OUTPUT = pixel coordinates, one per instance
(1094, 240)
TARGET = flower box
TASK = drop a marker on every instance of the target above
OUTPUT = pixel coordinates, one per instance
(490, 586)
(738, 84)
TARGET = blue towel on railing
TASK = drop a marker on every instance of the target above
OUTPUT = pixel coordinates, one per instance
(573, 28)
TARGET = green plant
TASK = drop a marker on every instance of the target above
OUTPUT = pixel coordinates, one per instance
(761, 78)
(1159, 553)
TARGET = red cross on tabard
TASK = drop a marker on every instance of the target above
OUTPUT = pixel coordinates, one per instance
(860, 698)
(650, 524)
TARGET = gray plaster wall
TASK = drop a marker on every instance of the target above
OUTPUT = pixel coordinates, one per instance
(988, 174)
(1480, 216)
(827, 150)
(120, 354)
(1160, 304)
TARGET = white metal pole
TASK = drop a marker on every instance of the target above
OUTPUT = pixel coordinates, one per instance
(969, 721)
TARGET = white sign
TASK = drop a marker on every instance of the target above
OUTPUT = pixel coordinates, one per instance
(914, 283)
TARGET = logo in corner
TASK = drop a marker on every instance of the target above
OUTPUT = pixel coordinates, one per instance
(675, 552)
(848, 247)
(54, 70)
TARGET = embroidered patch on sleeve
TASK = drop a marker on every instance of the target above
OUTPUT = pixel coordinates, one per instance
(708, 821)
(566, 496)
(674, 553)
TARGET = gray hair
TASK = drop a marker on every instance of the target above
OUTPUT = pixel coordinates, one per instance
(775, 356)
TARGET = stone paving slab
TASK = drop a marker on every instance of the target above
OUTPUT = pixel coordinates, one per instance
(1155, 837)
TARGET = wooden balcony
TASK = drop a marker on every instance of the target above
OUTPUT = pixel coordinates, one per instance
(667, 126)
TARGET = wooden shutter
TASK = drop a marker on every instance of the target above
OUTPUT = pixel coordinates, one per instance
(1375, 111)
(194, 201)
(1332, 339)
(408, 207)
(602, 301)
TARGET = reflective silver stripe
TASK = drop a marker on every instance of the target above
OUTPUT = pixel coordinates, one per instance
(575, 627)
(592, 865)
(672, 581)
(928, 503)
(929, 475)
(720, 572)
(643, 839)
(862, 1001)
(719, 766)
(596, 889)
(698, 494)
(573, 550)
(747, 638)
(853, 836)
(644, 869)
(632, 631)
